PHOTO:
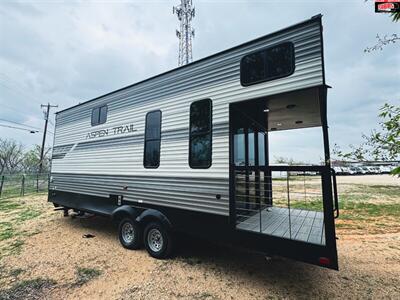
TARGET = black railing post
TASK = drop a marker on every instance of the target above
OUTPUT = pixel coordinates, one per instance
(257, 182)
(305, 188)
(246, 163)
(288, 197)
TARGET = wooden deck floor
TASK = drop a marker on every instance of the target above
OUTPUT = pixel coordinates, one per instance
(304, 225)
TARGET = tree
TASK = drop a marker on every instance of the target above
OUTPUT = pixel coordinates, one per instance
(386, 39)
(396, 16)
(380, 144)
(13, 159)
(11, 155)
(287, 161)
(31, 161)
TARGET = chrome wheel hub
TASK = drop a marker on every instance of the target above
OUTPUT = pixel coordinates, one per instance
(128, 233)
(155, 240)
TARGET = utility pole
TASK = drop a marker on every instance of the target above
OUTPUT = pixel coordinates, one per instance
(185, 12)
(46, 118)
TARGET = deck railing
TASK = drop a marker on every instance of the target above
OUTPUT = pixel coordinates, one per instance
(283, 201)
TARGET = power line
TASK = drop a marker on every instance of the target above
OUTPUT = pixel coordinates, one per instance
(4, 120)
(31, 131)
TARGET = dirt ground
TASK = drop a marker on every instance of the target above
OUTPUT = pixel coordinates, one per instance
(54, 248)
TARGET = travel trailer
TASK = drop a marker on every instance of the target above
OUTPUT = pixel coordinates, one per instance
(188, 151)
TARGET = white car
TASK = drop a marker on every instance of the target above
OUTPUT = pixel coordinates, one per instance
(386, 169)
(338, 170)
(371, 169)
(353, 170)
(345, 170)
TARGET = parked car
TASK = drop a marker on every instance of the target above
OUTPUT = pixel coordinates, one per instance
(345, 170)
(338, 170)
(377, 169)
(386, 169)
(353, 170)
(370, 169)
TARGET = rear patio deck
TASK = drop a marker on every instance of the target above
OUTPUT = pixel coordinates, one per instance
(295, 224)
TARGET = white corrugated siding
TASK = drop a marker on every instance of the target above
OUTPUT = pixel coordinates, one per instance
(216, 78)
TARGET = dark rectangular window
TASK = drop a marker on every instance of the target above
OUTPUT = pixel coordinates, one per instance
(200, 134)
(99, 115)
(267, 64)
(152, 140)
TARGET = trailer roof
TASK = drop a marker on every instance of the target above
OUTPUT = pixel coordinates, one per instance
(316, 18)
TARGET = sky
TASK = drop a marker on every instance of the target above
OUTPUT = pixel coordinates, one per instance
(66, 52)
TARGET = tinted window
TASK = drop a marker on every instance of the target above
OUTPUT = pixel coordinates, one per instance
(267, 64)
(152, 140)
(200, 134)
(99, 115)
(200, 116)
(152, 154)
(95, 116)
(103, 114)
(153, 125)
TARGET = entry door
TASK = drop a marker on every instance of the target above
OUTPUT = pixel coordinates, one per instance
(252, 183)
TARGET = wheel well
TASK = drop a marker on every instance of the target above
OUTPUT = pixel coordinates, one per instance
(119, 215)
(148, 219)
(124, 212)
(152, 215)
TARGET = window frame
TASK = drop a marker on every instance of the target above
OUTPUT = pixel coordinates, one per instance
(210, 132)
(293, 61)
(146, 140)
(98, 118)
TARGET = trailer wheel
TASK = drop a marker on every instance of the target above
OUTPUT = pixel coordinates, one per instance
(158, 240)
(130, 234)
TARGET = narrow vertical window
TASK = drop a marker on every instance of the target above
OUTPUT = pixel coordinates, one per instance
(99, 115)
(152, 140)
(200, 134)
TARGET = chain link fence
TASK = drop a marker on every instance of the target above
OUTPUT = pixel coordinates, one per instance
(13, 185)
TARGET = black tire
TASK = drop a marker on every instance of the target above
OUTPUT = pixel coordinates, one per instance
(130, 234)
(156, 247)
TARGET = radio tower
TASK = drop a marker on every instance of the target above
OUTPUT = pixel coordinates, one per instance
(185, 12)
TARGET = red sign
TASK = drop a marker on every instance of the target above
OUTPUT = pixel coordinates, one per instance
(387, 6)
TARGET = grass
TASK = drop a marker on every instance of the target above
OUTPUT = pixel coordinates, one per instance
(353, 209)
(84, 275)
(13, 214)
(16, 272)
(362, 207)
(377, 190)
(14, 248)
(6, 231)
(7, 205)
(28, 214)
(27, 289)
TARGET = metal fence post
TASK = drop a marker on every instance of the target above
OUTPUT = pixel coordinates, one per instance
(23, 186)
(1, 185)
(37, 182)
